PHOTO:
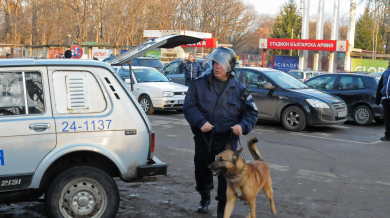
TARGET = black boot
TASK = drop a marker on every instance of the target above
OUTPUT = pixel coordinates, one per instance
(204, 202)
(221, 208)
(385, 138)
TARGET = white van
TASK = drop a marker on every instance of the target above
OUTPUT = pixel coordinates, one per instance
(303, 76)
(67, 128)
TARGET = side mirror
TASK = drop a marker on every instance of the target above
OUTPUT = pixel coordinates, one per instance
(127, 81)
(268, 86)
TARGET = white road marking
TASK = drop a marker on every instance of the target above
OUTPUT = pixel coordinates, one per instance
(172, 135)
(316, 176)
(342, 140)
(265, 130)
(383, 183)
(279, 167)
(341, 126)
(183, 149)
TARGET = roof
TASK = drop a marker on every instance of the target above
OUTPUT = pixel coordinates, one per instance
(258, 68)
(22, 62)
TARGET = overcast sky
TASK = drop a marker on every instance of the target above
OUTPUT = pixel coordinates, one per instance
(272, 7)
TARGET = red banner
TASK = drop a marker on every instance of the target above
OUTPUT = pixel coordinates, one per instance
(206, 43)
(304, 44)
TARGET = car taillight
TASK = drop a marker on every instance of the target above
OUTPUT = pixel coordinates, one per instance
(152, 142)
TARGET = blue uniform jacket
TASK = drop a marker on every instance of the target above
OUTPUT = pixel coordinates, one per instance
(203, 103)
(192, 70)
(383, 89)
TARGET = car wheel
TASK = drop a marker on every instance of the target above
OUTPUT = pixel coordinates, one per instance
(294, 119)
(146, 104)
(362, 115)
(82, 191)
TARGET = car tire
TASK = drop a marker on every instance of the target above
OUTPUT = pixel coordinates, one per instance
(82, 191)
(294, 119)
(362, 115)
(146, 104)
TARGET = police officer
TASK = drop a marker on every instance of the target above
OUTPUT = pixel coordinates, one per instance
(192, 69)
(218, 108)
(383, 94)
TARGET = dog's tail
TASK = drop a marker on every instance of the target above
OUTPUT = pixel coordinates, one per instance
(253, 149)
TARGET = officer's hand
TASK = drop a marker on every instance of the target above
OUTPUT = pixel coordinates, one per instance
(206, 127)
(237, 129)
(184, 60)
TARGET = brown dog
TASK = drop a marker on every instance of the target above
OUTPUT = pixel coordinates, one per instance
(244, 180)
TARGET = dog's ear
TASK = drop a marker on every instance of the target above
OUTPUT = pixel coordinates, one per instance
(227, 148)
(237, 154)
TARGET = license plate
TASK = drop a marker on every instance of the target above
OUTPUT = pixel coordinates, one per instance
(342, 114)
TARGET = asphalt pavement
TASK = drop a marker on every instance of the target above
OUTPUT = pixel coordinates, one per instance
(329, 171)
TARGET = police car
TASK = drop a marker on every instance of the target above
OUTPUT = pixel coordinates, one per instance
(67, 128)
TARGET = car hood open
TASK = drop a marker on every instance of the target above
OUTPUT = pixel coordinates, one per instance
(169, 41)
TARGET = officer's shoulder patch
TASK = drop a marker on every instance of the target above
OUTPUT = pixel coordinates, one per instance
(254, 106)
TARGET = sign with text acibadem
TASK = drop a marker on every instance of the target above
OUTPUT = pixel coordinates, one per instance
(369, 65)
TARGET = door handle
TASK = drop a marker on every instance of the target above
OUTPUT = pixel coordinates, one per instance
(39, 126)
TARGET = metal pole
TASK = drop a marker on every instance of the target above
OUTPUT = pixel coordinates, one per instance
(264, 50)
(131, 76)
(334, 36)
(292, 36)
(305, 34)
(351, 36)
(319, 35)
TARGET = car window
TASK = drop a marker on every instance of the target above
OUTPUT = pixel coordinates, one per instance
(173, 68)
(322, 82)
(309, 75)
(350, 83)
(19, 89)
(316, 74)
(284, 80)
(77, 92)
(296, 75)
(254, 79)
(149, 75)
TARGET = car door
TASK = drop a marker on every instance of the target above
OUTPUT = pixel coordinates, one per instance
(172, 72)
(27, 127)
(266, 100)
(351, 89)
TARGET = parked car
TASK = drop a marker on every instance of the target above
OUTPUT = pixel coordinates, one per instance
(172, 71)
(357, 90)
(143, 62)
(282, 98)
(68, 128)
(303, 75)
(152, 89)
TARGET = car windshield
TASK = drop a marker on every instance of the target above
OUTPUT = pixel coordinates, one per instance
(285, 81)
(297, 75)
(149, 75)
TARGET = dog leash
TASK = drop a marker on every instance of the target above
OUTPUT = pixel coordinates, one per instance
(210, 143)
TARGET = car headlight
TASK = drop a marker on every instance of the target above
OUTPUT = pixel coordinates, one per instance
(317, 103)
(168, 94)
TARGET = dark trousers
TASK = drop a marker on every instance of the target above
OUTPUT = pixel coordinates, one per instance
(188, 82)
(203, 158)
(386, 116)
